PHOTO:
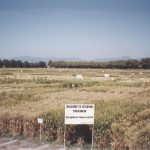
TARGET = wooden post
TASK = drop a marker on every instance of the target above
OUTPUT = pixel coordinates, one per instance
(40, 121)
(40, 133)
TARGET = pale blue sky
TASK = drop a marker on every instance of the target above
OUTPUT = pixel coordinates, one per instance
(85, 29)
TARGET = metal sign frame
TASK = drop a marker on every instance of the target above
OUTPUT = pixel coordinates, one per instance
(79, 124)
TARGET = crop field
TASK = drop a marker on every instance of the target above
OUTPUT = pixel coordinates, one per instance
(122, 104)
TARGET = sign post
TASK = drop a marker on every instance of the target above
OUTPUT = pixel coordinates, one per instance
(80, 114)
(40, 121)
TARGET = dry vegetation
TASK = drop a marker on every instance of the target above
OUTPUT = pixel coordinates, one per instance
(122, 117)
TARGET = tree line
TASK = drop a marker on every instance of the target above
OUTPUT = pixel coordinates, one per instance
(19, 64)
(144, 63)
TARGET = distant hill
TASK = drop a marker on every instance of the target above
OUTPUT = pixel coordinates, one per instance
(31, 59)
(113, 59)
(46, 59)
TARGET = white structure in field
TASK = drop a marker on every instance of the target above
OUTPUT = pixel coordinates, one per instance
(106, 75)
(79, 77)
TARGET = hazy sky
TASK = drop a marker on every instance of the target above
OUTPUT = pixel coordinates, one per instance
(86, 29)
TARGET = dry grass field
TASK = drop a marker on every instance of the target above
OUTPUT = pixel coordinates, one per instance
(122, 113)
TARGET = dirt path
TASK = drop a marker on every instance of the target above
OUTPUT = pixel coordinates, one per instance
(11, 144)
(15, 144)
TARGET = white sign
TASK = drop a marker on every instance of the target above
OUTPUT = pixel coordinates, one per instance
(40, 120)
(79, 113)
(106, 75)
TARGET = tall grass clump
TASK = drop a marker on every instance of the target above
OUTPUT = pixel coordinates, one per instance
(18, 125)
(53, 125)
(14, 97)
(132, 131)
(111, 122)
(79, 83)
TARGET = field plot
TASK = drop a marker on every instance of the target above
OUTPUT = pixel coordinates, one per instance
(122, 100)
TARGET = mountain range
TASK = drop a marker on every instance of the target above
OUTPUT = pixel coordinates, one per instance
(46, 59)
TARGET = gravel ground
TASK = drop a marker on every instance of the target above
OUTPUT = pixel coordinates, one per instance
(13, 144)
